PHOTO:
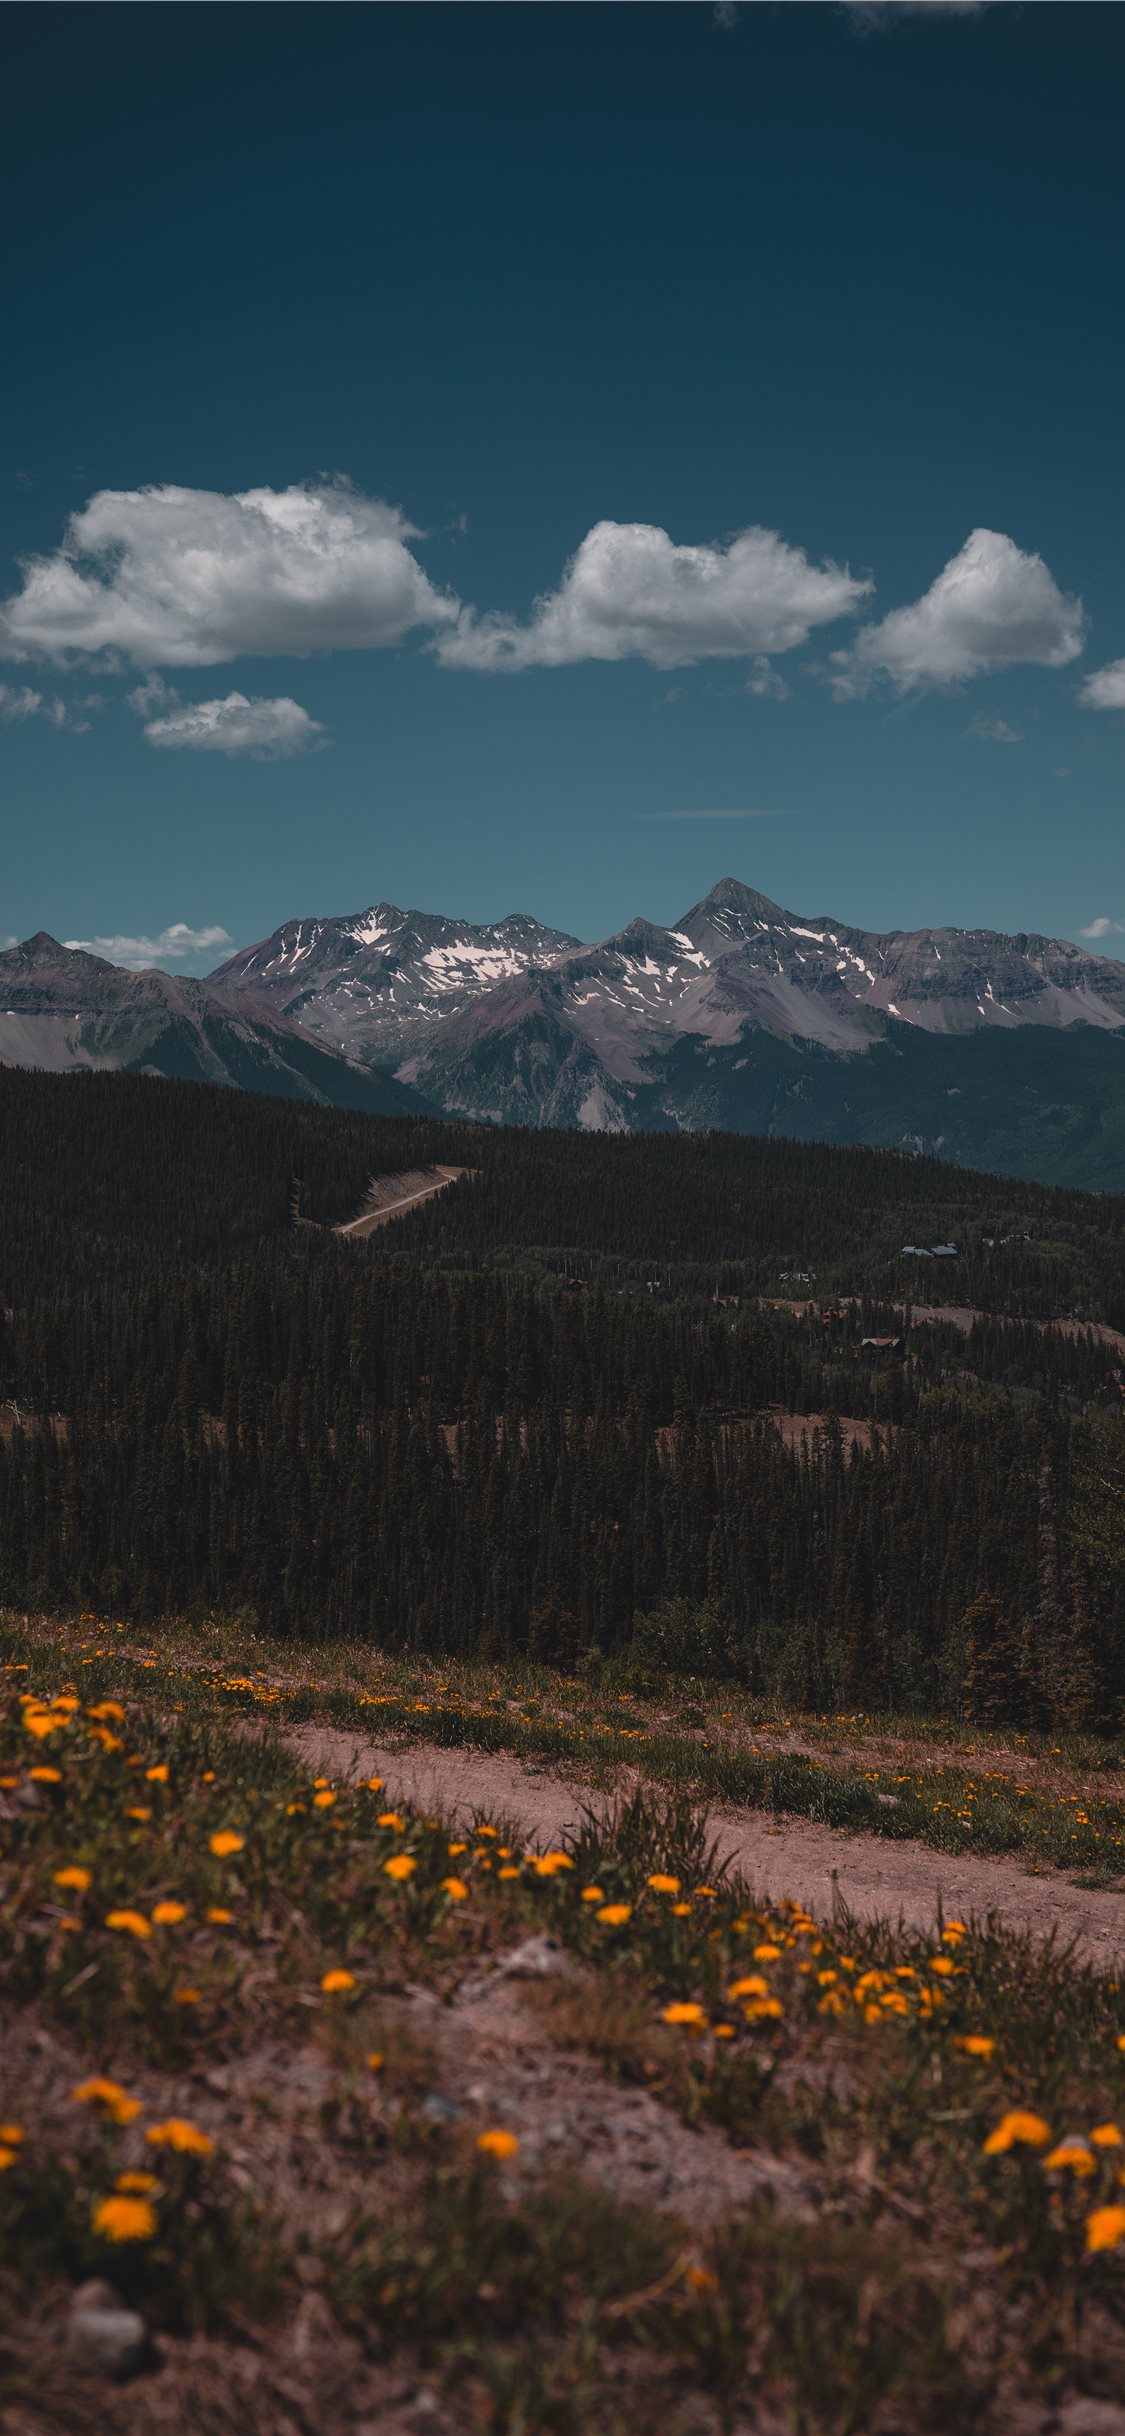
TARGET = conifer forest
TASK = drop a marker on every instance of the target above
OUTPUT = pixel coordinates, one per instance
(684, 1400)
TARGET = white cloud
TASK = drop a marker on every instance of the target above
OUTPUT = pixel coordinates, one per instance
(630, 592)
(171, 946)
(255, 727)
(993, 731)
(20, 702)
(766, 680)
(993, 606)
(872, 15)
(1103, 926)
(176, 578)
(1105, 688)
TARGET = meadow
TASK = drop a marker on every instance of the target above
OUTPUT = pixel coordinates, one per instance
(356, 2108)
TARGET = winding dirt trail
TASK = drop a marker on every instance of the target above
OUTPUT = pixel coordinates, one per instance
(823, 1868)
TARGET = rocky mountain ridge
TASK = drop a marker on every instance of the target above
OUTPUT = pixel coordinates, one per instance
(516, 1023)
(63, 1010)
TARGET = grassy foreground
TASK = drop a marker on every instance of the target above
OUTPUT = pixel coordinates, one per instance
(1057, 1803)
(242, 2077)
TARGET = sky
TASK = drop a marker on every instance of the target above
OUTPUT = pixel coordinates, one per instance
(544, 458)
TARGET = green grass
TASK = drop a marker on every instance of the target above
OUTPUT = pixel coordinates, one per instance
(686, 1743)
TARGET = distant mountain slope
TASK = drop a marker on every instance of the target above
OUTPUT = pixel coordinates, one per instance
(376, 985)
(61, 1009)
(1007, 1052)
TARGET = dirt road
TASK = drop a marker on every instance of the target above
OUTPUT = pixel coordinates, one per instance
(875, 1877)
(385, 1202)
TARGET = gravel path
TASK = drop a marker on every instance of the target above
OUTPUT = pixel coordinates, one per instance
(820, 1867)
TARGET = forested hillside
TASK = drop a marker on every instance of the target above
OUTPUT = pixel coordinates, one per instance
(559, 1407)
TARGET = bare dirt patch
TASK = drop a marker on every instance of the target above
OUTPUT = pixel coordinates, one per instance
(795, 1428)
(823, 1868)
(391, 1196)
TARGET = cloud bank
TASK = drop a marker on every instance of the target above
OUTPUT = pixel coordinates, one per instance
(170, 946)
(630, 592)
(1103, 926)
(175, 578)
(992, 606)
(245, 727)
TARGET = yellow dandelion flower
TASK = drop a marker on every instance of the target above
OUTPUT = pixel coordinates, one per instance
(8, 2156)
(337, 1983)
(186, 1996)
(169, 1915)
(1105, 2228)
(763, 2009)
(593, 1894)
(11, 2134)
(615, 1915)
(685, 2016)
(121, 2219)
(100, 2092)
(41, 1722)
(324, 1800)
(74, 1879)
(1104, 2135)
(157, 1775)
(133, 1813)
(137, 2184)
(45, 1776)
(942, 1965)
(225, 1842)
(133, 1924)
(509, 1870)
(456, 1889)
(108, 1712)
(664, 1886)
(548, 1864)
(721, 2030)
(953, 1931)
(701, 2279)
(374, 1784)
(712, 1891)
(483, 1830)
(375, 2061)
(681, 1911)
(400, 1866)
(455, 1849)
(498, 2144)
(1070, 2156)
(767, 1953)
(219, 1917)
(975, 2043)
(186, 2138)
(754, 1985)
(391, 1818)
(1017, 2130)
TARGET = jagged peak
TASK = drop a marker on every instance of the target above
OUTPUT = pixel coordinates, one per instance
(733, 896)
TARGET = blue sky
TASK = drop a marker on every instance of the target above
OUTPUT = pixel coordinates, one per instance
(336, 339)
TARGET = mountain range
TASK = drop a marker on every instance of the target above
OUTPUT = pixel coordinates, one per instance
(997, 1051)
(63, 1010)
(993, 1050)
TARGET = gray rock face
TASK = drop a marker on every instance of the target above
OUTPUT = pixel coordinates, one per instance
(515, 1023)
(105, 2337)
(62, 1010)
(376, 985)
